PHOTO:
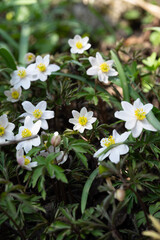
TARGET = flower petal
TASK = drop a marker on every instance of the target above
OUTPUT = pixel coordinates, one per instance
(92, 71)
(146, 125)
(28, 107)
(114, 156)
(136, 131)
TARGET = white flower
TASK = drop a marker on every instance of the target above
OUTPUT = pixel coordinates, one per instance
(13, 95)
(6, 129)
(101, 68)
(28, 130)
(43, 68)
(60, 159)
(115, 152)
(29, 57)
(135, 116)
(37, 112)
(82, 120)
(25, 161)
(78, 44)
(22, 77)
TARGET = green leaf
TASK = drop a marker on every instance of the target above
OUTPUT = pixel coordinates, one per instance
(36, 174)
(8, 57)
(122, 77)
(8, 39)
(59, 173)
(83, 159)
(87, 188)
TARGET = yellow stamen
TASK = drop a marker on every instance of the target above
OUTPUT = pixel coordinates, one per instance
(30, 57)
(108, 141)
(26, 160)
(21, 73)
(104, 67)
(140, 114)
(2, 130)
(37, 113)
(15, 94)
(83, 120)
(26, 133)
(41, 67)
(79, 45)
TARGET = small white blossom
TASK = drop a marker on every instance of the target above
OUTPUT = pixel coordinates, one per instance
(29, 57)
(82, 120)
(115, 152)
(22, 77)
(37, 112)
(101, 68)
(13, 95)
(42, 67)
(78, 44)
(135, 116)
(6, 129)
(28, 130)
(25, 161)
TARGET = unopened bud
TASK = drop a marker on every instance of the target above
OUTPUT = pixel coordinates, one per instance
(56, 139)
(120, 194)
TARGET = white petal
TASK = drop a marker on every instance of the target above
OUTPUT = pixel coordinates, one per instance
(73, 121)
(136, 131)
(75, 114)
(114, 156)
(25, 84)
(41, 106)
(53, 68)
(110, 62)
(83, 111)
(85, 40)
(93, 61)
(99, 58)
(74, 50)
(27, 146)
(10, 127)
(28, 107)
(123, 137)
(48, 114)
(4, 120)
(89, 115)
(112, 72)
(147, 108)
(130, 123)
(71, 42)
(123, 149)
(102, 77)
(39, 60)
(87, 46)
(123, 115)
(92, 120)
(42, 77)
(146, 125)
(28, 123)
(36, 141)
(127, 107)
(36, 127)
(138, 104)
(92, 71)
(88, 126)
(77, 38)
(46, 60)
(115, 134)
(44, 124)
(96, 154)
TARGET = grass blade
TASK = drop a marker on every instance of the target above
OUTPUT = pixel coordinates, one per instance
(124, 84)
(8, 57)
(86, 189)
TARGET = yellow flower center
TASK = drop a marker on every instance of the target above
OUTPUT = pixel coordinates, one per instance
(79, 45)
(41, 67)
(104, 67)
(37, 113)
(2, 130)
(29, 57)
(21, 73)
(26, 160)
(82, 120)
(109, 141)
(140, 114)
(26, 133)
(15, 94)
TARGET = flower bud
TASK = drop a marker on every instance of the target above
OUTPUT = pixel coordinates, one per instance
(120, 194)
(56, 139)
